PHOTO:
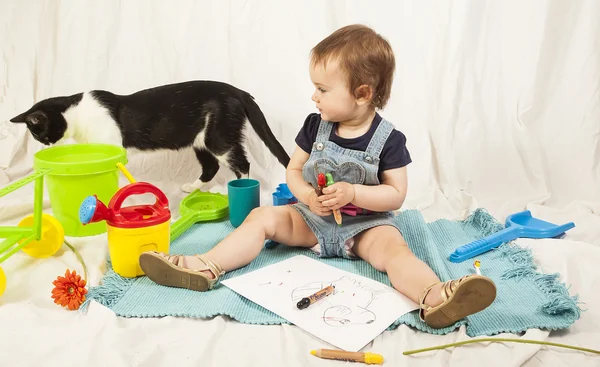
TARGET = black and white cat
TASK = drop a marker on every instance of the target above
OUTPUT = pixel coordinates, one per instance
(209, 116)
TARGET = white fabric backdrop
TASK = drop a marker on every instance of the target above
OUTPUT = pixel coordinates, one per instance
(499, 100)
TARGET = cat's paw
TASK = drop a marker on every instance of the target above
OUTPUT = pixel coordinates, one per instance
(190, 187)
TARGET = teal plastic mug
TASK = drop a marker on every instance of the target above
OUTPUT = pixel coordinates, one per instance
(243, 195)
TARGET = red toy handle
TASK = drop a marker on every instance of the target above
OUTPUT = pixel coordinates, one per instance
(139, 188)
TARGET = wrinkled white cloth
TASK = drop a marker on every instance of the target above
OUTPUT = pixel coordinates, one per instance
(499, 102)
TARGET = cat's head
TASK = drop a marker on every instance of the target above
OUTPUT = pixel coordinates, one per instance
(45, 119)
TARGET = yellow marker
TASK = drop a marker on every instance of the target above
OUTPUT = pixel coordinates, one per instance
(126, 172)
(477, 264)
(340, 355)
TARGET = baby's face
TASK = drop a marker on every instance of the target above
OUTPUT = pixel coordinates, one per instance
(332, 94)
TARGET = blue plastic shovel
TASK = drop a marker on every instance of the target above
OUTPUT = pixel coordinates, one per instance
(518, 225)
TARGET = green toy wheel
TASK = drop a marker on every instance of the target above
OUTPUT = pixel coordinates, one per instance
(53, 236)
(2, 281)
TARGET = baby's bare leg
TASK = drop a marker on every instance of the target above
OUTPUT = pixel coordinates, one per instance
(279, 223)
(385, 249)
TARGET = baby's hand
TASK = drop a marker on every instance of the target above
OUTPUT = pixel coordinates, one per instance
(316, 206)
(337, 195)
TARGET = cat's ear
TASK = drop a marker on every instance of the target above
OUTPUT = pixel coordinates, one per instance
(31, 118)
(19, 119)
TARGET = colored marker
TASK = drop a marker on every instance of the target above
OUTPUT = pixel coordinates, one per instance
(336, 213)
(307, 301)
(321, 182)
(340, 355)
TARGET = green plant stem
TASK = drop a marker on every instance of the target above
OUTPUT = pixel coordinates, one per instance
(80, 260)
(526, 341)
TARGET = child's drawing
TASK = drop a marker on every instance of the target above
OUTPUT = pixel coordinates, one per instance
(357, 311)
(348, 305)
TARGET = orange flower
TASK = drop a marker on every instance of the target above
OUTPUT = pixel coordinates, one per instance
(69, 291)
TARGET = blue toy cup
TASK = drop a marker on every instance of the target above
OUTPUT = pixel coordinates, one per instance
(244, 195)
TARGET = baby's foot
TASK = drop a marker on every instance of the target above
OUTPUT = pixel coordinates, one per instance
(193, 263)
(446, 303)
(434, 297)
(191, 272)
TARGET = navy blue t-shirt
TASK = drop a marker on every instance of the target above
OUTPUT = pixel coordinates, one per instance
(394, 153)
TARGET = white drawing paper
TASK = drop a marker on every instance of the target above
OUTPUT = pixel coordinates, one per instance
(356, 313)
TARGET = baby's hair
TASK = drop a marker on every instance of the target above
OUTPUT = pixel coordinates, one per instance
(364, 56)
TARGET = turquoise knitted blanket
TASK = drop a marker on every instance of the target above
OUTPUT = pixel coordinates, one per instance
(525, 298)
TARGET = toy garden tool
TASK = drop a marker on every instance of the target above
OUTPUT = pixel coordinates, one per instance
(132, 229)
(197, 207)
(518, 225)
(39, 235)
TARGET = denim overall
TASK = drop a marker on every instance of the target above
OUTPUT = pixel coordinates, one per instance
(347, 165)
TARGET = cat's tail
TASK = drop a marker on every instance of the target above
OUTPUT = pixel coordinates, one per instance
(262, 129)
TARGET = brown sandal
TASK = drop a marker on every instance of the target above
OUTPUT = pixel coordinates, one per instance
(460, 298)
(166, 270)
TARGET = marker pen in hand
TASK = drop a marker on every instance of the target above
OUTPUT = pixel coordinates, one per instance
(337, 214)
(321, 183)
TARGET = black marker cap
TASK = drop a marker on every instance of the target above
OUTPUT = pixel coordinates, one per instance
(304, 303)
